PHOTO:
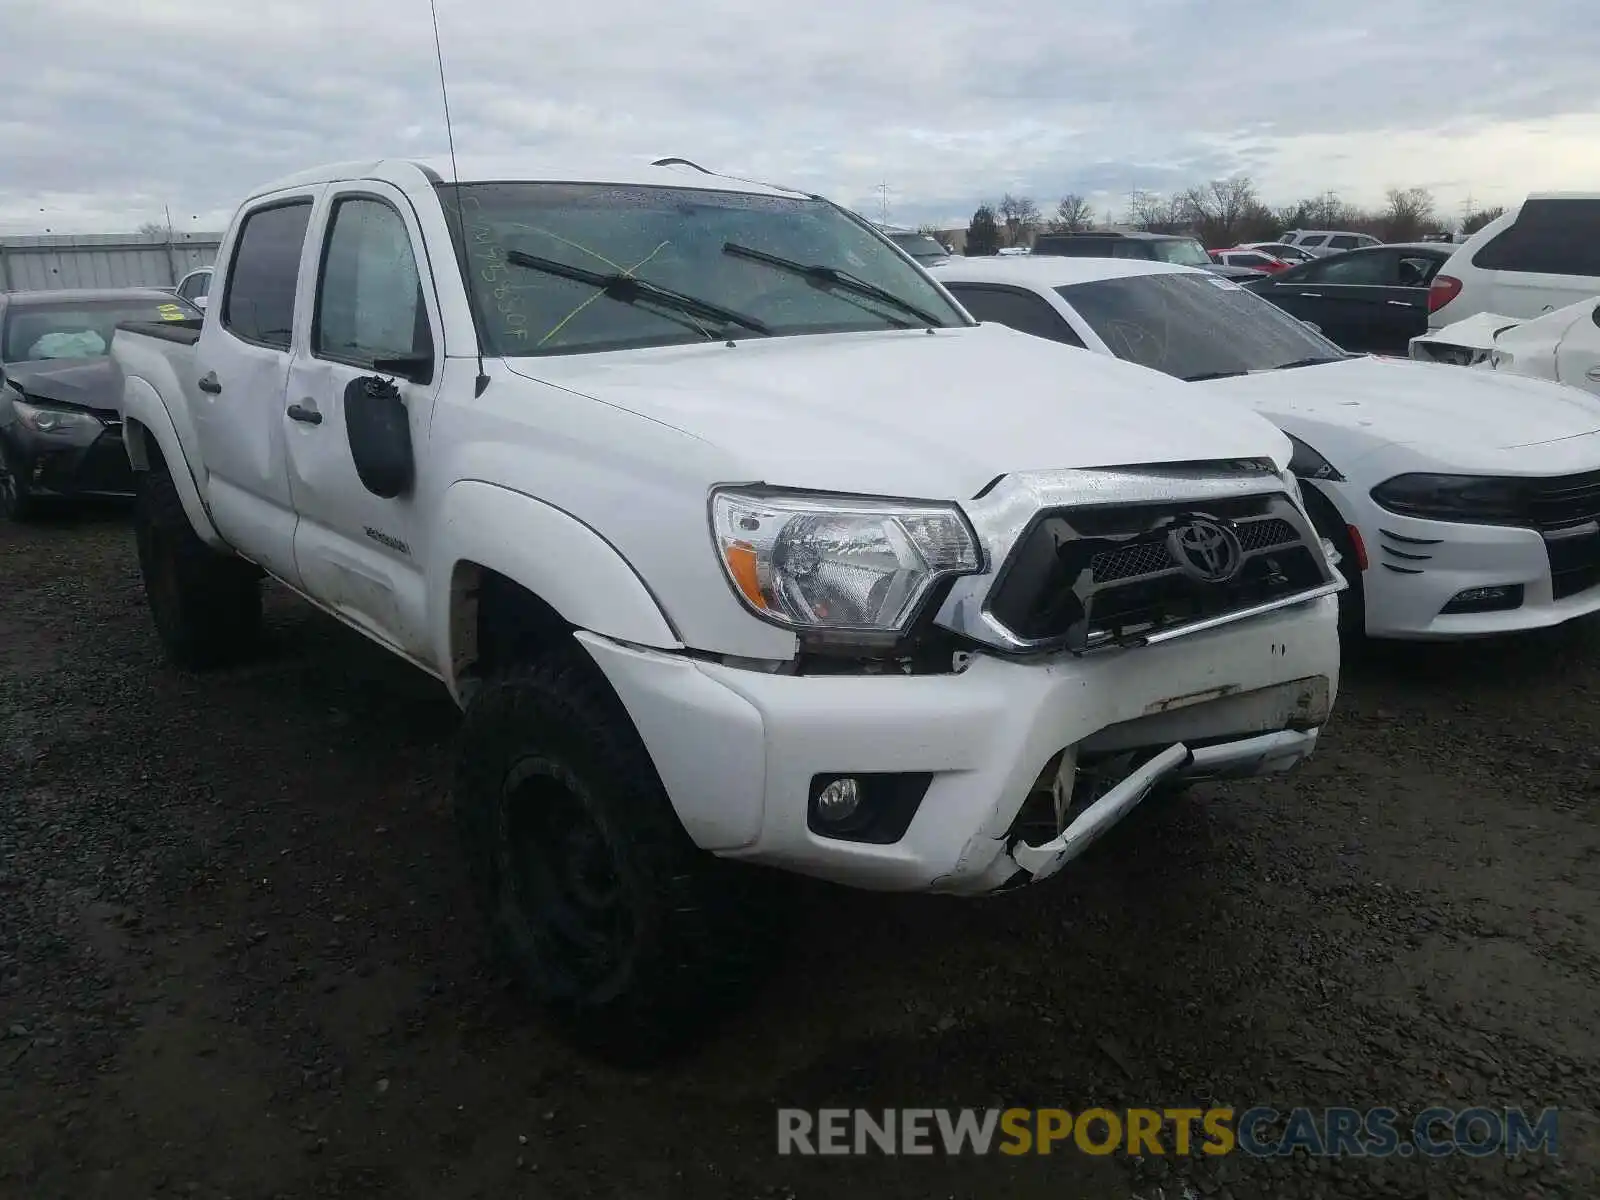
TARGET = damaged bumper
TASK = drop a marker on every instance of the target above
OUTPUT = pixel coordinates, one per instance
(1247, 756)
(947, 769)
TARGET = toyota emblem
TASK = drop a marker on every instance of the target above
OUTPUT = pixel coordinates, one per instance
(1206, 550)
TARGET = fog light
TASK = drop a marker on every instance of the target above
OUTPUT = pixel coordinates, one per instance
(839, 800)
(1498, 598)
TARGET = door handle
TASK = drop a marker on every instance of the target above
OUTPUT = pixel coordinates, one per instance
(1593, 373)
(1400, 303)
(208, 383)
(305, 411)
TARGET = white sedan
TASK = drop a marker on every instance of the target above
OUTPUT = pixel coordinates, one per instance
(1462, 502)
(1562, 346)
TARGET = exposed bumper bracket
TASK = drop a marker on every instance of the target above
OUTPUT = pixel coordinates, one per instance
(1176, 760)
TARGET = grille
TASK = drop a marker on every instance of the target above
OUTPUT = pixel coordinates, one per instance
(1574, 564)
(1088, 577)
(1566, 501)
(1152, 557)
(1560, 507)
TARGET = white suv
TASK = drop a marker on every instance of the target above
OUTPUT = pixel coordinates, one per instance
(1320, 242)
(1542, 255)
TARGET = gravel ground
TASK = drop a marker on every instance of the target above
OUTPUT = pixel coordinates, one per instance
(237, 957)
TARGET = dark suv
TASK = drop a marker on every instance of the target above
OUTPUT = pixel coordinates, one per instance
(1176, 248)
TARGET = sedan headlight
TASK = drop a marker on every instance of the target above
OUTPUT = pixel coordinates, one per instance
(1477, 499)
(838, 564)
(55, 420)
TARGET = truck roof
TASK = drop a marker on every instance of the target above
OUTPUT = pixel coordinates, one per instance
(408, 173)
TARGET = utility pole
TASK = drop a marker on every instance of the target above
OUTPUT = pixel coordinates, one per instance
(172, 263)
(883, 192)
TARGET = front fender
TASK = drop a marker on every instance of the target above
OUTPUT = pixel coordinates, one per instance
(145, 416)
(550, 552)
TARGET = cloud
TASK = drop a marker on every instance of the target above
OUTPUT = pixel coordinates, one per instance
(125, 108)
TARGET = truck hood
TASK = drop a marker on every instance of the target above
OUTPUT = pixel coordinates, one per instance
(911, 413)
(1384, 401)
(82, 382)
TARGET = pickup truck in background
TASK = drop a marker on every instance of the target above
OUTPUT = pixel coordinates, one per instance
(739, 544)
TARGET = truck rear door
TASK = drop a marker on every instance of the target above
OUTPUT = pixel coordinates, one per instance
(242, 364)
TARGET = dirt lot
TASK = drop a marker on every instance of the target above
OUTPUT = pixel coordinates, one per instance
(237, 957)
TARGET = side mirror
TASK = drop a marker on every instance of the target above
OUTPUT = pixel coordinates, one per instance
(379, 429)
(199, 302)
(414, 368)
(1313, 326)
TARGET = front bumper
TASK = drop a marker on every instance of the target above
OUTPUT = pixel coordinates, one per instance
(90, 464)
(1415, 568)
(739, 751)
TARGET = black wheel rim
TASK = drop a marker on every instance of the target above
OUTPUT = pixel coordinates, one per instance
(563, 871)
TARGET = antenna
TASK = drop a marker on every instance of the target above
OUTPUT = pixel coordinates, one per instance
(455, 185)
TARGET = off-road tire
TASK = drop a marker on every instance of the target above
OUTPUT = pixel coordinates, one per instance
(547, 756)
(16, 502)
(206, 605)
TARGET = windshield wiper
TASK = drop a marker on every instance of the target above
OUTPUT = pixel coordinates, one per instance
(630, 289)
(825, 276)
(1313, 361)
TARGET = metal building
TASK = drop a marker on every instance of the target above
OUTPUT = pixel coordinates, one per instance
(48, 261)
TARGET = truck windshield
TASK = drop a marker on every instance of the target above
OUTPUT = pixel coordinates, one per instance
(921, 247)
(672, 240)
(1195, 326)
(79, 328)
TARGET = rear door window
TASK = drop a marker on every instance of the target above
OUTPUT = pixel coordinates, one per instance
(1549, 237)
(258, 305)
(1375, 269)
(1343, 241)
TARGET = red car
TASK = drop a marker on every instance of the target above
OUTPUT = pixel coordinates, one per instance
(1243, 256)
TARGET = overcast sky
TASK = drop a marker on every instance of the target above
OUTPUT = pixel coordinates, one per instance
(114, 108)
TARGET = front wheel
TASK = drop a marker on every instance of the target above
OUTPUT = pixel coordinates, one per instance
(632, 938)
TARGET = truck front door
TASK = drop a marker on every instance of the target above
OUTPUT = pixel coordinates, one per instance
(372, 320)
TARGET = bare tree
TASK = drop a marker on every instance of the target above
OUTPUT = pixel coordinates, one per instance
(1155, 213)
(152, 229)
(1226, 212)
(1019, 218)
(1326, 211)
(1407, 214)
(1475, 221)
(1072, 215)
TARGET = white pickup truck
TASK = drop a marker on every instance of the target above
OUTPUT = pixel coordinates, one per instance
(738, 542)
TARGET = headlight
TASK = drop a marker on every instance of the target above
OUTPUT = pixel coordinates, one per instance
(55, 420)
(838, 564)
(1472, 498)
(1308, 464)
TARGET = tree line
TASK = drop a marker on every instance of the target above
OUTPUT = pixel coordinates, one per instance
(1221, 213)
